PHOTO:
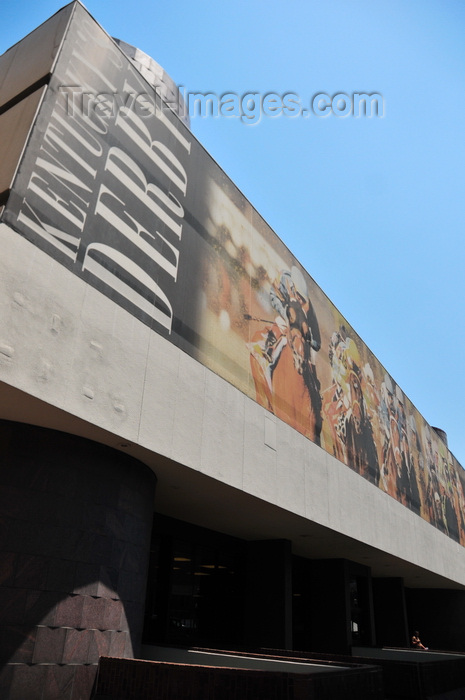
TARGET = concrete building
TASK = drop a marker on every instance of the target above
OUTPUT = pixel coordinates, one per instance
(196, 447)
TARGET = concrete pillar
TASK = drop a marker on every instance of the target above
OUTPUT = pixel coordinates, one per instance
(329, 611)
(390, 612)
(75, 524)
(334, 607)
(268, 619)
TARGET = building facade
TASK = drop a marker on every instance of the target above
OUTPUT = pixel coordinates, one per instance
(197, 448)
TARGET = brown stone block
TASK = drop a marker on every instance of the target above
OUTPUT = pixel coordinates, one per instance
(134, 616)
(84, 678)
(118, 644)
(69, 611)
(31, 572)
(6, 678)
(59, 682)
(49, 645)
(4, 523)
(60, 511)
(131, 587)
(131, 501)
(61, 478)
(87, 577)
(17, 644)
(108, 582)
(113, 612)
(99, 645)
(21, 470)
(93, 613)
(12, 606)
(118, 553)
(40, 607)
(130, 649)
(48, 509)
(61, 575)
(27, 683)
(93, 518)
(93, 548)
(135, 558)
(85, 546)
(104, 554)
(70, 512)
(115, 524)
(7, 567)
(45, 540)
(138, 532)
(15, 503)
(105, 492)
(65, 542)
(132, 528)
(19, 537)
(76, 650)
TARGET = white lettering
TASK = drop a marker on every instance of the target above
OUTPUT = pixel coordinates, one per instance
(164, 317)
(147, 193)
(134, 233)
(160, 155)
(67, 209)
(65, 242)
(53, 136)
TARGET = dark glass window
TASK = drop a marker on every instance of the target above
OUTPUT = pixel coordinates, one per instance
(195, 592)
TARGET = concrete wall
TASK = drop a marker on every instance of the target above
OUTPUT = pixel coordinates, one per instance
(66, 344)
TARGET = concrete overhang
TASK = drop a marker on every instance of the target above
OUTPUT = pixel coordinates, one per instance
(186, 494)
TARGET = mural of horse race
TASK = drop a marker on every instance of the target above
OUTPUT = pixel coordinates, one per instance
(279, 338)
(151, 221)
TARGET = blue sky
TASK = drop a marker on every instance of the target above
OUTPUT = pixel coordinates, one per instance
(373, 208)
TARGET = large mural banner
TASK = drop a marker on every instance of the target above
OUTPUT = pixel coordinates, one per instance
(118, 190)
(309, 367)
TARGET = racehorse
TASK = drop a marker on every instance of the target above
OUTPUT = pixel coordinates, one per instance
(285, 379)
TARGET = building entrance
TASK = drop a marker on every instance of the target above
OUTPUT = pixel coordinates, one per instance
(195, 593)
(209, 589)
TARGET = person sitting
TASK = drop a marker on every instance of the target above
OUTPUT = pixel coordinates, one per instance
(416, 642)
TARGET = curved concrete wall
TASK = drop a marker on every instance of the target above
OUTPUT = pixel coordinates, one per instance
(76, 524)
